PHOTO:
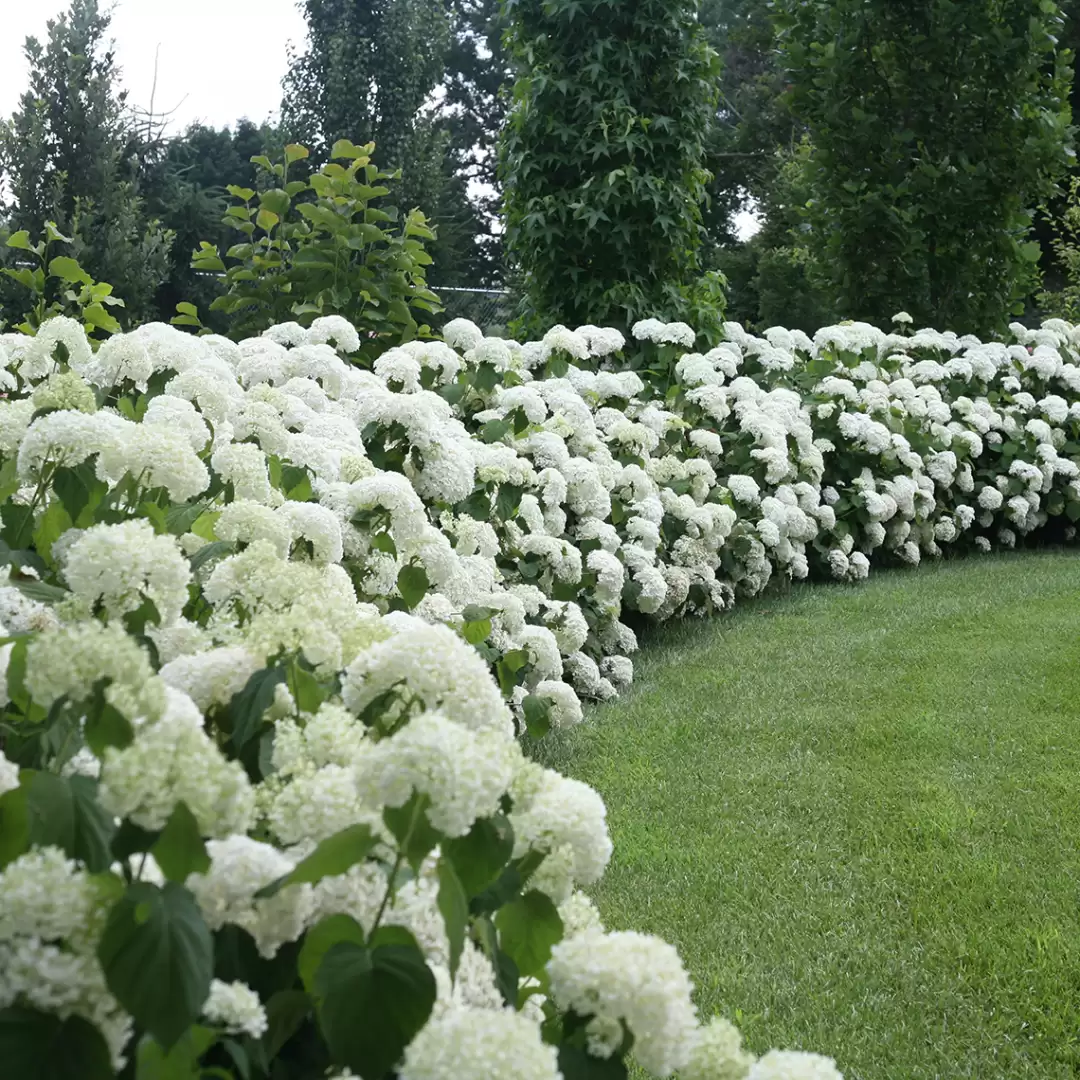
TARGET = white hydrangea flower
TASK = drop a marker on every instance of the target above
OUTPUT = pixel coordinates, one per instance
(630, 978)
(237, 1008)
(464, 773)
(481, 1044)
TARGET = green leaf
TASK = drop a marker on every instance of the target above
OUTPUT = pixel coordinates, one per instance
(18, 525)
(480, 856)
(454, 907)
(1031, 251)
(391, 987)
(266, 219)
(248, 705)
(383, 541)
(146, 614)
(577, 1064)
(508, 500)
(295, 152)
(20, 240)
(95, 315)
(286, 1011)
(94, 828)
(68, 269)
(50, 811)
(344, 149)
(413, 584)
(333, 856)
(152, 1062)
(320, 939)
(410, 827)
(476, 631)
(40, 1046)
(214, 550)
(528, 928)
(494, 430)
(14, 825)
(39, 590)
(537, 715)
(79, 490)
(508, 669)
(51, 526)
(105, 725)
(180, 850)
(158, 958)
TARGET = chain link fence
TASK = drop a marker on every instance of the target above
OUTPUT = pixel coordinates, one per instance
(490, 309)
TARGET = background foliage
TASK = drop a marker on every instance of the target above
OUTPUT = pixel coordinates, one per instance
(936, 129)
(603, 161)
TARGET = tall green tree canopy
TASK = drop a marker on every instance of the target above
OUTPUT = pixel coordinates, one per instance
(937, 128)
(71, 154)
(603, 159)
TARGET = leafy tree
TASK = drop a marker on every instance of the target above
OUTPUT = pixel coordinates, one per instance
(70, 154)
(187, 190)
(368, 73)
(477, 84)
(325, 245)
(751, 120)
(603, 160)
(937, 128)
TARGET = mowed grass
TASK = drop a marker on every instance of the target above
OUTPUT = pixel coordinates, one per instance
(856, 812)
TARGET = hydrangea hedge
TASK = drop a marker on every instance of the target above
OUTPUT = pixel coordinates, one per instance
(274, 622)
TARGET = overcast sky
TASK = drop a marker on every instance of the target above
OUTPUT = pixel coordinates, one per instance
(219, 60)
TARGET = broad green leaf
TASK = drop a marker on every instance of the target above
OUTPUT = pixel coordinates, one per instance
(14, 825)
(105, 725)
(20, 240)
(454, 907)
(409, 825)
(331, 857)
(51, 526)
(94, 828)
(152, 1062)
(528, 928)
(79, 490)
(537, 715)
(286, 1011)
(41, 1046)
(18, 525)
(158, 958)
(413, 584)
(216, 549)
(248, 705)
(68, 269)
(180, 850)
(476, 631)
(344, 149)
(391, 987)
(480, 856)
(295, 152)
(320, 939)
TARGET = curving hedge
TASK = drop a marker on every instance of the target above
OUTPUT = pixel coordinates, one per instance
(274, 620)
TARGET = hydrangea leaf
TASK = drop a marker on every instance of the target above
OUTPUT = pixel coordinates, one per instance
(391, 987)
(158, 958)
(528, 928)
(41, 1046)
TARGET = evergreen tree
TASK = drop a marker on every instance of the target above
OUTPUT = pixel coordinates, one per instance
(72, 155)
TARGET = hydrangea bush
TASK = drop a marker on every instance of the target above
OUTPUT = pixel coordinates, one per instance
(274, 621)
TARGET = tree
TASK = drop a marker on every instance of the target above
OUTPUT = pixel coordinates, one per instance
(71, 154)
(477, 80)
(937, 128)
(751, 120)
(603, 160)
(187, 190)
(368, 74)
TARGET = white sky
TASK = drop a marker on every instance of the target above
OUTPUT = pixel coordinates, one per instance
(219, 60)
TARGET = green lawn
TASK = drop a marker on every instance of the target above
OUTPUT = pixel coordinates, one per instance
(856, 811)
